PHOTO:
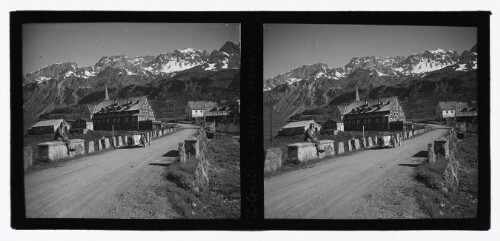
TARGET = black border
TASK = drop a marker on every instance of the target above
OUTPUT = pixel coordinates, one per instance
(252, 153)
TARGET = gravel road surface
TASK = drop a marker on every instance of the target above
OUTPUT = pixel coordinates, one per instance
(102, 185)
(337, 188)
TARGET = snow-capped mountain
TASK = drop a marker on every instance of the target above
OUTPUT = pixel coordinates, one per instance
(143, 67)
(185, 70)
(391, 68)
(430, 74)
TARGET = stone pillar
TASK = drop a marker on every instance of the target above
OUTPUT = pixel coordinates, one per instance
(192, 147)
(340, 150)
(28, 157)
(430, 153)
(441, 147)
(113, 141)
(90, 148)
(349, 145)
(356, 144)
(370, 142)
(120, 142)
(99, 144)
(182, 153)
(105, 143)
(273, 162)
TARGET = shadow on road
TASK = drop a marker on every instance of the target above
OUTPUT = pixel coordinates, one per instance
(409, 165)
(422, 154)
(172, 153)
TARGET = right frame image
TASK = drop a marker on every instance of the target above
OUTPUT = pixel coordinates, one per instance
(370, 121)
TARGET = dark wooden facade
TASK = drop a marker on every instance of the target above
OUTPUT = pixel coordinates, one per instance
(376, 115)
(124, 114)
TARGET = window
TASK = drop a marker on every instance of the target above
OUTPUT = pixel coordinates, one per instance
(126, 120)
(383, 120)
(118, 120)
(376, 120)
(358, 121)
(369, 121)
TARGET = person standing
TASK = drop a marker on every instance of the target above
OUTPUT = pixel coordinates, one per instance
(310, 136)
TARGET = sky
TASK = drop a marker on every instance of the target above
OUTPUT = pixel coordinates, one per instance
(86, 43)
(287, 46)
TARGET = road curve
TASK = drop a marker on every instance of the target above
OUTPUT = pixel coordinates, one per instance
(84, 184)
(332, 189)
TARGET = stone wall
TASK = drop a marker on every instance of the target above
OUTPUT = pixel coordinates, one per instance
(56, 150)
(306, 151)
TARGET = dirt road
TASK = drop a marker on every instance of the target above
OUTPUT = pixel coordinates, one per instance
(334, 188)
(88, 187)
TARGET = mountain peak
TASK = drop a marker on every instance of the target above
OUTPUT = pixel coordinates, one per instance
(230, 47)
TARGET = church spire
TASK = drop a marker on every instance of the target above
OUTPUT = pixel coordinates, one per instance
(357, 93)
(106, 96)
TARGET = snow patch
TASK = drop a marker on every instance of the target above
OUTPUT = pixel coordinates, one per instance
(461, 67)
(210, 67)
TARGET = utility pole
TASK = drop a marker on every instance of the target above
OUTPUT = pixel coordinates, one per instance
(271, 118)
(175, 118)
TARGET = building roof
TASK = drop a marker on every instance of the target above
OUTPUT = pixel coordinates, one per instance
(447, 105)
(458, 106)
(317, 118)
(120, 105)
(299, 124)
(341, 109)
(55, 122)
(201, 105)
(371, 106)
(84, 119)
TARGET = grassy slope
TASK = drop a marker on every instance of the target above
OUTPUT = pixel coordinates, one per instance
(460, 202)
(222, 198)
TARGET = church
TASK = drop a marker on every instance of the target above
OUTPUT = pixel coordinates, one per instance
(132, 113)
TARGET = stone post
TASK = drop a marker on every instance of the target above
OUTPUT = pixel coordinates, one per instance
(273, 160)
(120, 142)
(341, 148)
(113, 141)
(182, 153)
(28, 157)
(349, 145)
(356, 144)
(99, 144)
(441, 148)
(370, 142)
(90, 148)
(430, 153)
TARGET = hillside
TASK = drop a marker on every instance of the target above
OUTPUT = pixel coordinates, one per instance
(168, 78)
(419, 80)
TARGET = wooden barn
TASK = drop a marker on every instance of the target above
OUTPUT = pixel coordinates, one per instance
(298, 128)
(333, 125)
(47, 127)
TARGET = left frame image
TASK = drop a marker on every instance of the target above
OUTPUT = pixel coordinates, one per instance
(131, 120)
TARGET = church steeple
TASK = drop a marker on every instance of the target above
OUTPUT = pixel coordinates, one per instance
(106, 96)
(357, 93)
